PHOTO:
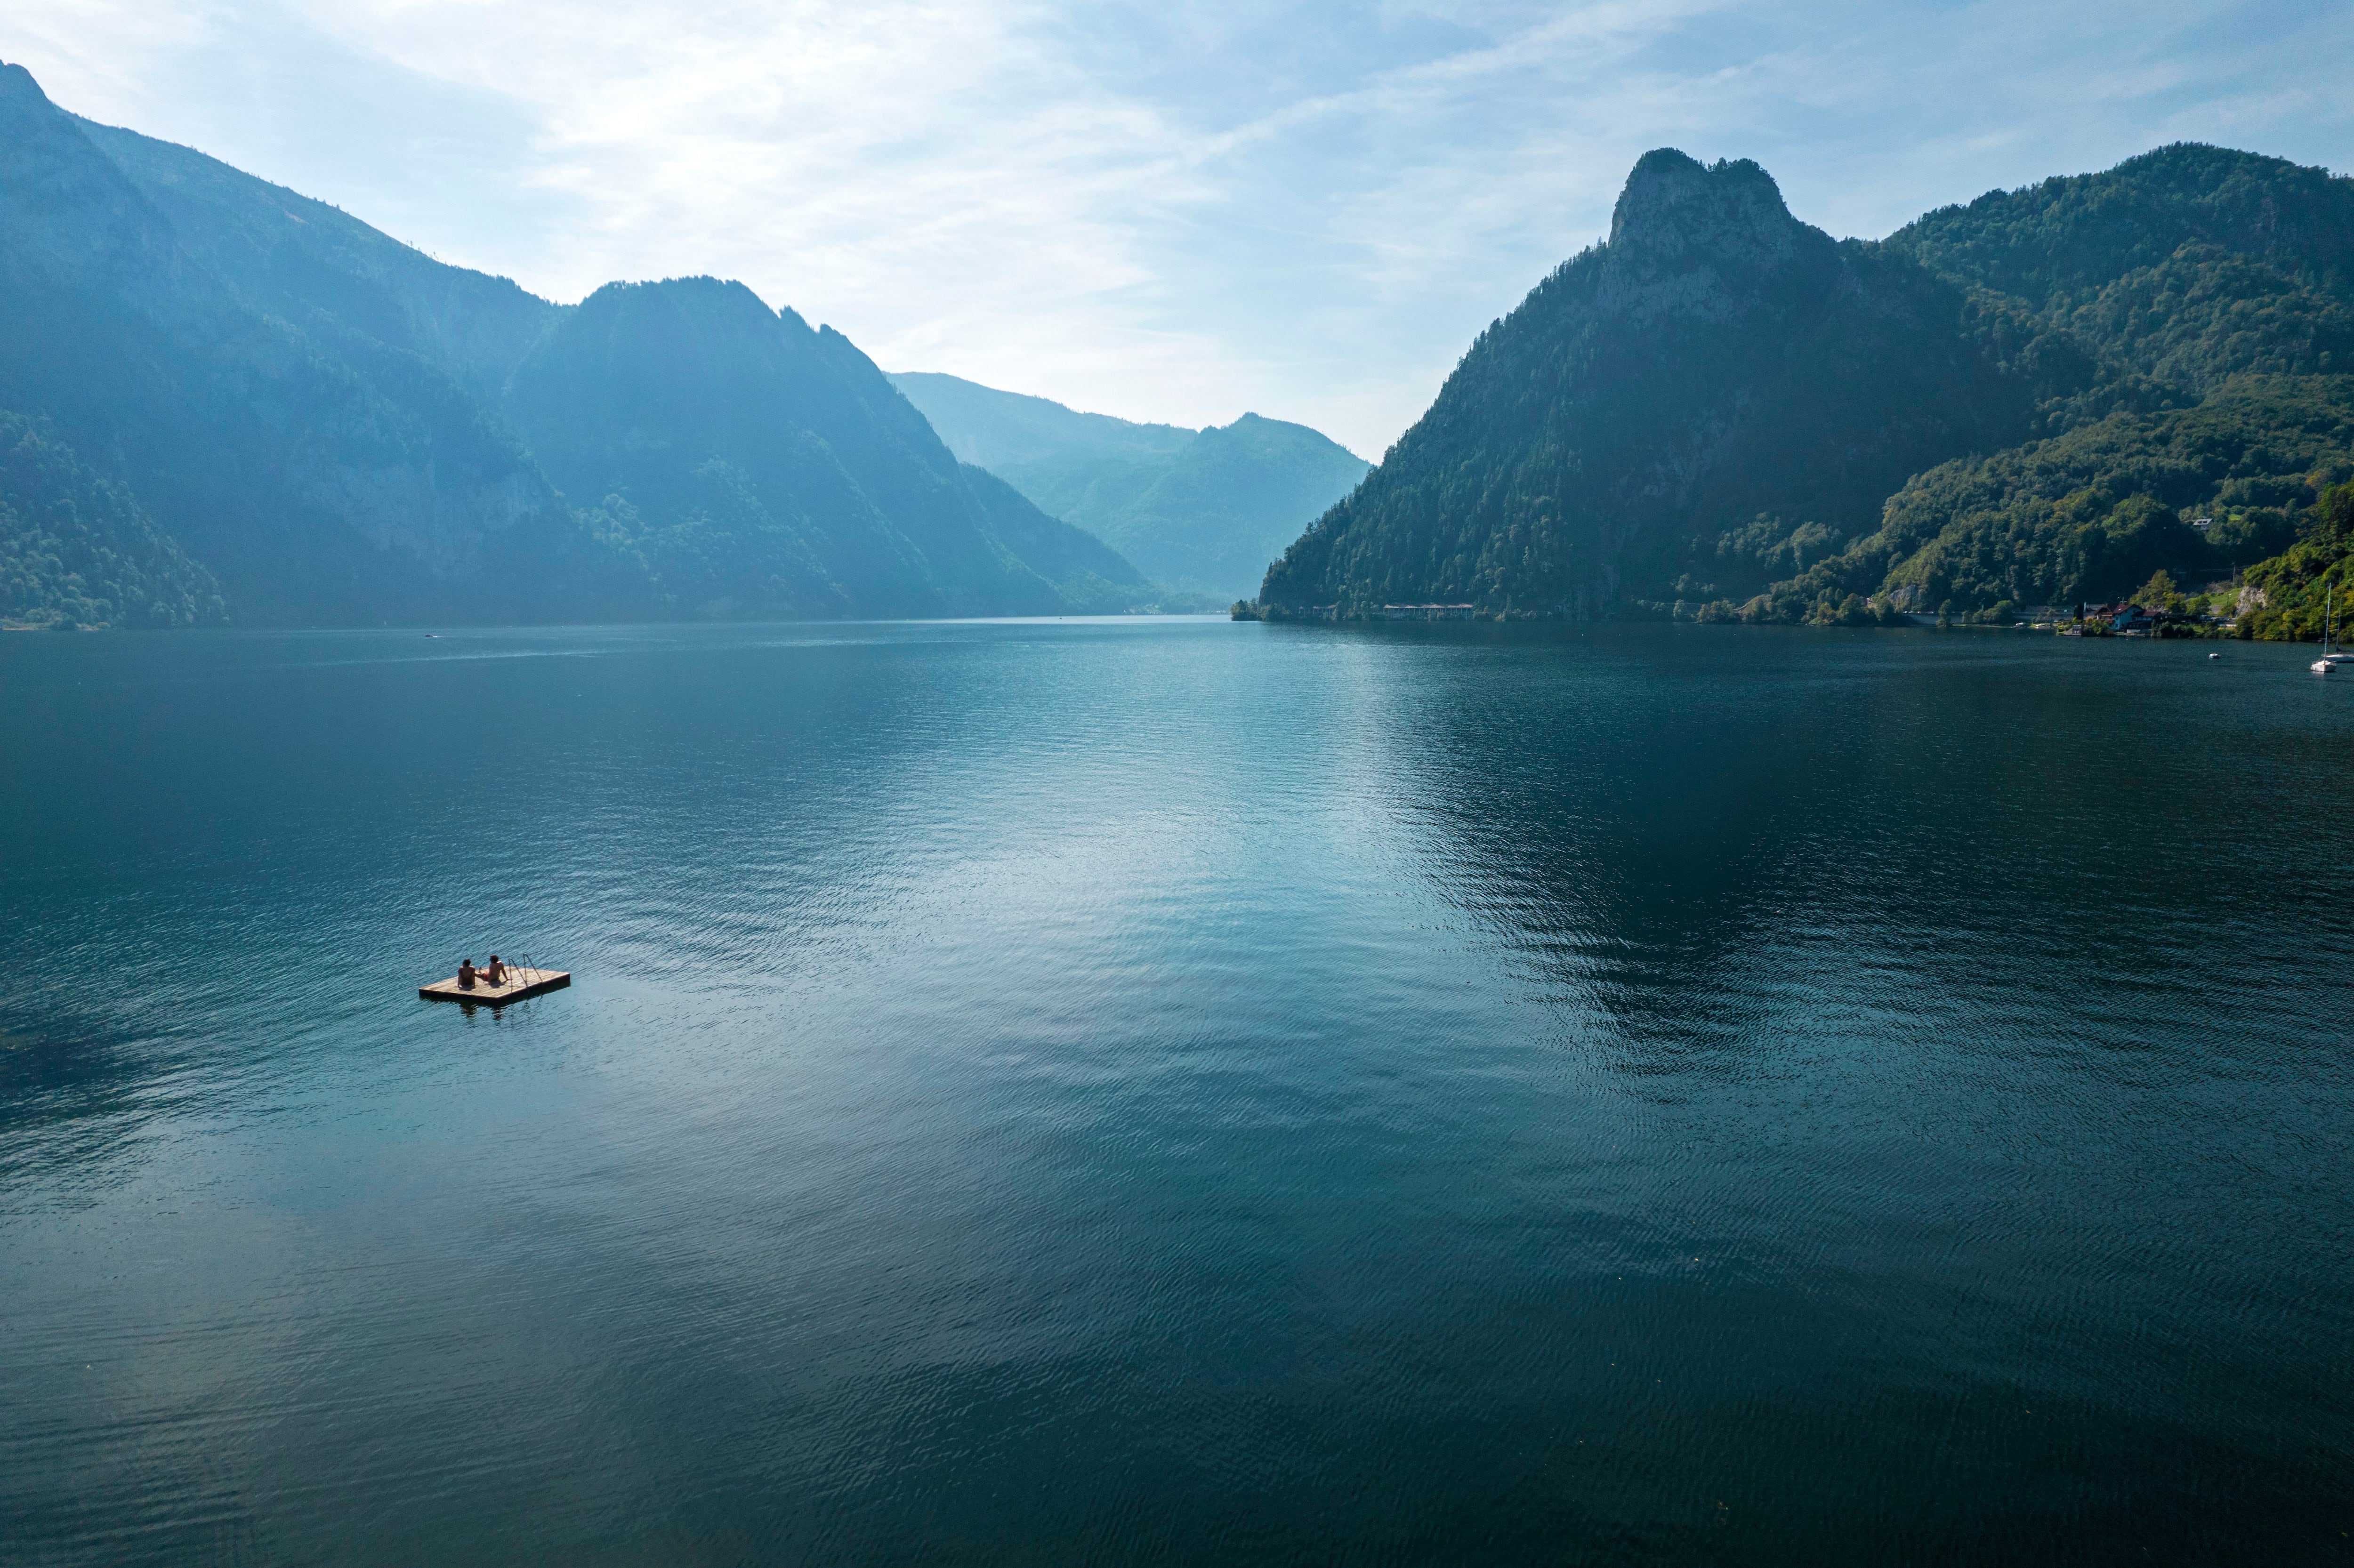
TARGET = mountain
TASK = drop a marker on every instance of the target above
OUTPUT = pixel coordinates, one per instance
(2168, 274)
(220, 400)
(2043, 395)
(1227, 504)
(754, 466)
(2195, 492)
(1199, 510)
(313, 479)
(325, 271)
(2198, 303)
(997, 430)
(76, 549)
(1713, 364)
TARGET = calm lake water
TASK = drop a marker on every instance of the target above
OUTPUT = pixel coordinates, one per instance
(1175, 1092)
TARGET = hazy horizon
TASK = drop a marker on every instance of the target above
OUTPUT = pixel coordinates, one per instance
(1307, 214)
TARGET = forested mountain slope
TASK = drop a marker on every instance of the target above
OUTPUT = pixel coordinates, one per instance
(2194, 491)
(2161, 277)
(76, 549)
(1199, 510)
(348, 485)
(326, 272)
(2156, 345)
(2188, 321)
(1713, 362)
(752, 466)
(229, 402)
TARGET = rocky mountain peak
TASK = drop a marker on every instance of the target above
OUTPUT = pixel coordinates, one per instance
(1696, 240)
(1676, 211)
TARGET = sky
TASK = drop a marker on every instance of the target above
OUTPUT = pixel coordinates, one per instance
(1161, 211)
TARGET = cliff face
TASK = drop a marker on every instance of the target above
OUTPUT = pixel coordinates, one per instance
(1702, 244)
(1713, 365)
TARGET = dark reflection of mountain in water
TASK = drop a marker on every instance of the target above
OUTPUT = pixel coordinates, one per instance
(64, 1091)
(1704, 840)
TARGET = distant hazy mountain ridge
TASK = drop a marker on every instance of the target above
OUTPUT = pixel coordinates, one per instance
(225, 401)
(1201, 510)
(1723, 410)
(998, 430)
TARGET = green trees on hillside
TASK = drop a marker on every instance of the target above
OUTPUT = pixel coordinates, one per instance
(2159, 278)
(2292, 591)
(1716, 365)
(2197, 492)
(2161, 592)
(78, 550)
(2047, 395)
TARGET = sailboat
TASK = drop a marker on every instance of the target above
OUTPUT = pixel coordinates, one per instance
(2331, 655)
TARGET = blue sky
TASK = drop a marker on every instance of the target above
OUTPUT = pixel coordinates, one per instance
(1160, 211)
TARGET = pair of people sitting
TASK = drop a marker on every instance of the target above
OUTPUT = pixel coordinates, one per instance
(493, 973)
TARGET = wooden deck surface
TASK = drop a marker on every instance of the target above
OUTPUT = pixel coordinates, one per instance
(521, 982)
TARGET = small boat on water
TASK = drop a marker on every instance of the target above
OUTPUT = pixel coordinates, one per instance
(2331, 655)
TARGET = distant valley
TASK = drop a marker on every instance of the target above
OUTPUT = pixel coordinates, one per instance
(1202, 511)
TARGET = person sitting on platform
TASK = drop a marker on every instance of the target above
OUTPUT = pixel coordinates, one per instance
(497, 972)
(466, 974)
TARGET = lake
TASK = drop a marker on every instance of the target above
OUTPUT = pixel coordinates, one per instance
(1175, 1091)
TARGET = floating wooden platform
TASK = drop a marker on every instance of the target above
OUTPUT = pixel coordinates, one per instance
(521, 984)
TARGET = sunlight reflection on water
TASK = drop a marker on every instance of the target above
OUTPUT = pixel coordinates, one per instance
(1158, 1090)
